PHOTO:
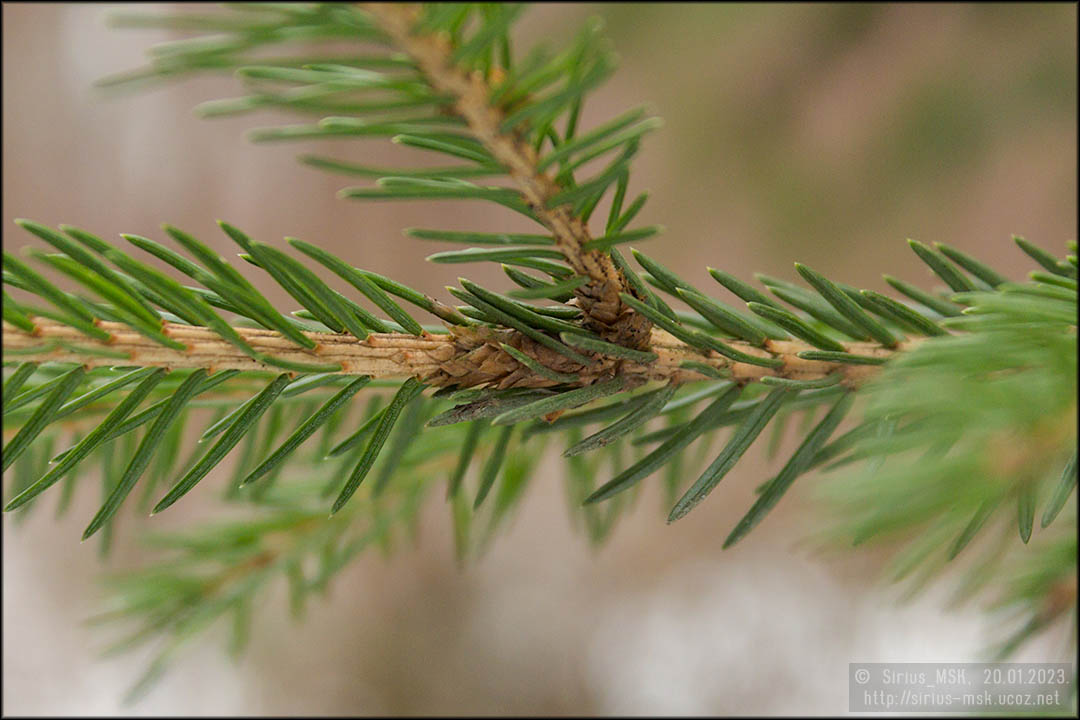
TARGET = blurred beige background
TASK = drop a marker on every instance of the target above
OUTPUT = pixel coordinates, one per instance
(821, 133)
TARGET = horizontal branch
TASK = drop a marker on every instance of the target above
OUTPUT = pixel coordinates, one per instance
(468, 357)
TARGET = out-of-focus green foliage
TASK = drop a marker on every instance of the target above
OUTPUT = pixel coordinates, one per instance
(974, 453)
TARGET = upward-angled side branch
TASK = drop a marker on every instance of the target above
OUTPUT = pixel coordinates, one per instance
(600, 297)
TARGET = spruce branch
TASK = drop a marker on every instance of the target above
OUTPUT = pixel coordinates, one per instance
(962, 398)
(436, 359)
(433, 53)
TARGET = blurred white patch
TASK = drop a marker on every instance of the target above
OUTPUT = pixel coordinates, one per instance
(757, 638)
